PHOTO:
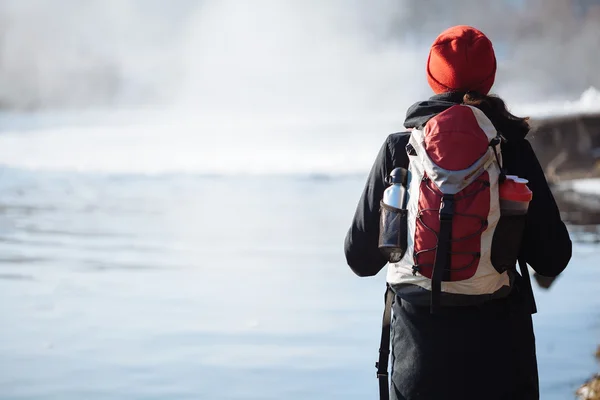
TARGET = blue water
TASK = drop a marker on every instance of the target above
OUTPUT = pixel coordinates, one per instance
(192, 287)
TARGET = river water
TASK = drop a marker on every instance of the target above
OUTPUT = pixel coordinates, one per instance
(119, 284)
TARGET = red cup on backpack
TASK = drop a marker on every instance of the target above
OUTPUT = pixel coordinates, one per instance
(514, 196)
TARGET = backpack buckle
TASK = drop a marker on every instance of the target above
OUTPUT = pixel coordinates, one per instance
(380, 374)
(447, 207)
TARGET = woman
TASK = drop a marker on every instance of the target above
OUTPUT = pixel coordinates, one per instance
(487, 350)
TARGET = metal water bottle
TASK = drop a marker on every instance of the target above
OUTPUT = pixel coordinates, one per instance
(393, 218)
(396, 195)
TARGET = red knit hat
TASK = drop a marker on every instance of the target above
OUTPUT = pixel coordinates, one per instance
(461, 59)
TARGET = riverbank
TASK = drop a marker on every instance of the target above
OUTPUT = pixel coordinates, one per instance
(591, 389)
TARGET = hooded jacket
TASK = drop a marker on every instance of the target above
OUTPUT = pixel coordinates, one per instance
(544, 228)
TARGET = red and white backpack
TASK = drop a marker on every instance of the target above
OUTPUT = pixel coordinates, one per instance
(452, 212)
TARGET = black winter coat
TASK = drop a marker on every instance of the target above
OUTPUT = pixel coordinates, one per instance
(480, 352)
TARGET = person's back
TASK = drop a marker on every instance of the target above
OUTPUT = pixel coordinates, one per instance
(484, 347)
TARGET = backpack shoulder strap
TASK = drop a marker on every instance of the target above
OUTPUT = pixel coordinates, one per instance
(398, 142)
(384, 347)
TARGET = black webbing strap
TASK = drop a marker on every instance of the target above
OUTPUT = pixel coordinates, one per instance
(384, 347)
(441, 265)
(528, 287)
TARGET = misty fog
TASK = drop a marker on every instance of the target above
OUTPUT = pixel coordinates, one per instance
(271, 55)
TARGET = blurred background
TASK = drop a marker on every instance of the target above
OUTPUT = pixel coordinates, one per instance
(176, 180)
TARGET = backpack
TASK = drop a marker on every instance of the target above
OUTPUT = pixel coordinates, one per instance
(455, 247)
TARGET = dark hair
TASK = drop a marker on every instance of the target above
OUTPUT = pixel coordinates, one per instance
(495, 109)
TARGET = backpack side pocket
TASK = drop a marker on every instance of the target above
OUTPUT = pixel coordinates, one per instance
(506, 243)
(393, 232)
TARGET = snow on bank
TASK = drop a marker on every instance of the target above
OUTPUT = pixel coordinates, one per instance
(588, 103)
(588, 186)
(163, 141)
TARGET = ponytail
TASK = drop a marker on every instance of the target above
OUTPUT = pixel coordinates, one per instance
(494, 108)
